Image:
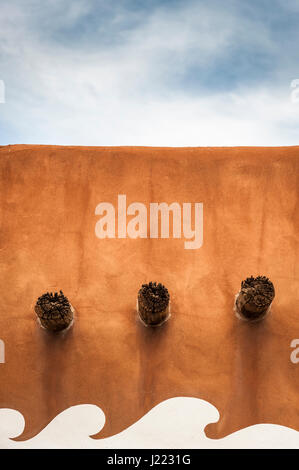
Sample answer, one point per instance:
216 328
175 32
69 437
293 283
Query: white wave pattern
174 423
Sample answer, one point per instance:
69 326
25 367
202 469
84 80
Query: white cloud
132 92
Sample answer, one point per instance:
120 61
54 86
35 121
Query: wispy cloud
149 73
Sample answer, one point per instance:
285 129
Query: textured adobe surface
48 197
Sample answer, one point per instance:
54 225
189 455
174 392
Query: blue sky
161 73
